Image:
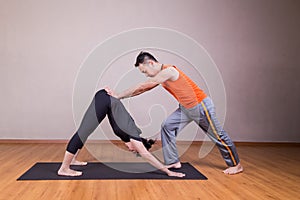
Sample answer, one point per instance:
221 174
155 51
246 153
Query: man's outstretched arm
151 83
136 90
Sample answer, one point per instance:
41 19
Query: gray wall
255 45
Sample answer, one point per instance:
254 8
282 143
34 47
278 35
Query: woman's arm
152 160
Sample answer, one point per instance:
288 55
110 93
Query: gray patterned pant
204 115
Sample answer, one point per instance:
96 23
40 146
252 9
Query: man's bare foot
234 170
76 162
68 172
175 165
176 174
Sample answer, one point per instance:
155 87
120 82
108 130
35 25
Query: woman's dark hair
148 143
142 57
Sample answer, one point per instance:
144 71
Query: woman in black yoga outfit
123 126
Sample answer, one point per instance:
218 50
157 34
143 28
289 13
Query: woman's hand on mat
177 174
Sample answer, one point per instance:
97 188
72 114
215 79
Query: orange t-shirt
187 93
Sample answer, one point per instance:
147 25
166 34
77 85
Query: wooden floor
271 172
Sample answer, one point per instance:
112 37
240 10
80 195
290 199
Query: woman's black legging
120 120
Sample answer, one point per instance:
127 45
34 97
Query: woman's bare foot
68 172
234 170
76 162
175 165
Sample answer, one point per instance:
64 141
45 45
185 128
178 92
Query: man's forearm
139 89
127 93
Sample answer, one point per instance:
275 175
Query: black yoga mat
104 171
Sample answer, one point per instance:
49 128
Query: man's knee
168 125
165 124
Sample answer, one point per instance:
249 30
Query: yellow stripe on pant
216 134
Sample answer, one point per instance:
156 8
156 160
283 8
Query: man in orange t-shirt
194 105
